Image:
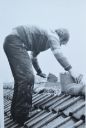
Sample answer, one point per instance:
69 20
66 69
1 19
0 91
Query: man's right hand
77 77
41 75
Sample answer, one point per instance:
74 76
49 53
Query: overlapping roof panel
49 111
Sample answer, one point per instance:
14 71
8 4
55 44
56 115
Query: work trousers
21 67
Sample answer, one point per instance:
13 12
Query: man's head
63 35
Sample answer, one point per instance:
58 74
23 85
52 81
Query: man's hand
77 78
41 75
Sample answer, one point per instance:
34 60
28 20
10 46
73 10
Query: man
16 45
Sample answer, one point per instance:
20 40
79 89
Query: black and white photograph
42 63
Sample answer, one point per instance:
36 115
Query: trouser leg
21 67
14 102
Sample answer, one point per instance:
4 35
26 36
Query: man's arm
63 61
36 64
55 48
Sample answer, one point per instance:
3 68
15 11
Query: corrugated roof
50 111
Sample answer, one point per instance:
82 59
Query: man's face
63 36
63 41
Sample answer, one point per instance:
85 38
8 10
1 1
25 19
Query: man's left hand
77 78
41 75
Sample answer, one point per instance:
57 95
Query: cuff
39 71
68 68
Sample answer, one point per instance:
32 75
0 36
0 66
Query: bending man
16 46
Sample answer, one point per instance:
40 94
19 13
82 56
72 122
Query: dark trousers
21 68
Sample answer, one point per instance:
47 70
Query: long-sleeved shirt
37 40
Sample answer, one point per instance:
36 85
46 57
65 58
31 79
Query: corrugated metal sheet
49 111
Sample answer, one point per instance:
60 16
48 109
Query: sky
47 14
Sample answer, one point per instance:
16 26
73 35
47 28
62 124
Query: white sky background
48 14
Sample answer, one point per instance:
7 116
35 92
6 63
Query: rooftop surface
49 111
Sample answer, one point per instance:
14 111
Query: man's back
35 39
